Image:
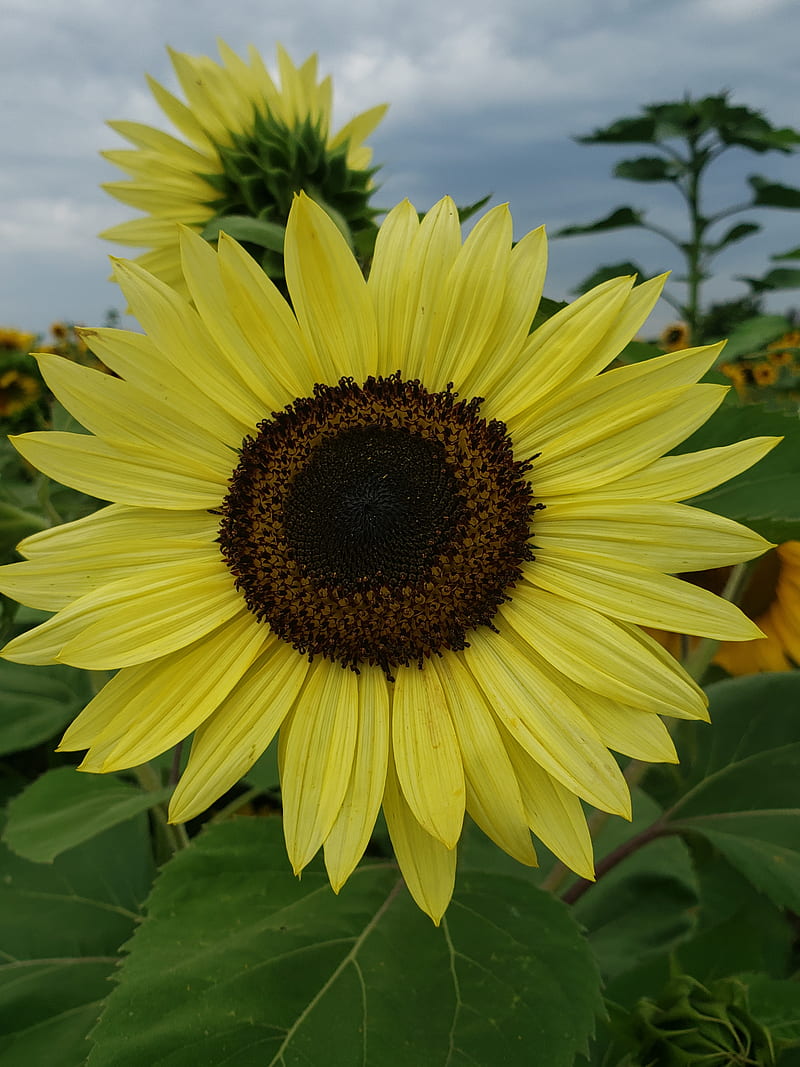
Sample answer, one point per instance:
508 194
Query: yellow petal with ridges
392 247
596 652
666 536
475 286
228 742
637 594
558 348
145 710
329 294
637 438
429 869
129 475
426 754
350 834
527 267
543 719
554 813
318 758
180 115
493 796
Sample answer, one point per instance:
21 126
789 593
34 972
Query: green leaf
734 234
644 905
618 219
246 228
764 497
778 278
467 211
771 194
61 927
37 702
256 967
776 1005
14 525
793 253
647 169
639 129
755 334
64 808
748 812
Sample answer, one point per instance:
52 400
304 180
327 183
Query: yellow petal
543 719
329 294
554 813
147 709
228 743
427 755
493 796
345 844
429 869
318 758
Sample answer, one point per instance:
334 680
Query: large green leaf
61 927
37 702
755 334
63 808
765 497
749 812
777 278
647 169
239 962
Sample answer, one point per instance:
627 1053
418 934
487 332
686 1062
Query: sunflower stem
656 829
170 837
236 804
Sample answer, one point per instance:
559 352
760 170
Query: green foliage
257 966
61 927
64 808
688 136
37 702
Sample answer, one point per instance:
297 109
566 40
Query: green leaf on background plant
37 702
764 497
639 351
65 807
61 927
793 253
647 169
546 309
618 219
645 905
14 525
734 234
754 335
767 193
776 1005
606 273
257 966
777 278
467 211
749 812
246 228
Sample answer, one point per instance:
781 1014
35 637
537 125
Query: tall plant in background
689 136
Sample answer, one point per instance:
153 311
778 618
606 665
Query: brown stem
617 855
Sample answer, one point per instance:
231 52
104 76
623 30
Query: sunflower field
400 667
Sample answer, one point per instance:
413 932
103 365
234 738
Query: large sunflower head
247 145
390 525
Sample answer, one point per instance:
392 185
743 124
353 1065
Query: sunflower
674 337
320 529
772 599
248 147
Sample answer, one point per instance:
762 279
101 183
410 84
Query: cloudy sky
485 97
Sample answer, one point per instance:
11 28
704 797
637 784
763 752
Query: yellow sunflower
247 148
675 337
772 599
319 529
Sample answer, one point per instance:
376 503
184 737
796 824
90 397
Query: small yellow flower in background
12 340
772 600
674 337
320 530
777 350
246 147
18 391
764 374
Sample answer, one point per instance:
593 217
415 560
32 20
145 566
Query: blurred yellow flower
675 337
246 148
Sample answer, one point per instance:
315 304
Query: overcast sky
485 97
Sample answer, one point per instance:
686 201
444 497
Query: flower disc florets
377 523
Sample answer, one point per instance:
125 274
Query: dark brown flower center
377 523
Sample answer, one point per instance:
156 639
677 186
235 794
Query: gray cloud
483 98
